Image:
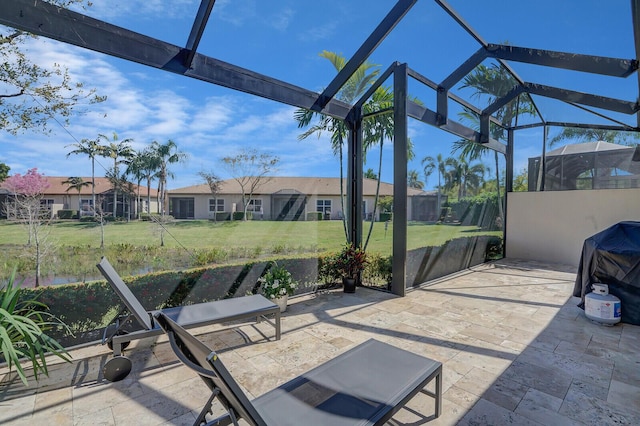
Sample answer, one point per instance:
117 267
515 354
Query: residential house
59 196
291 198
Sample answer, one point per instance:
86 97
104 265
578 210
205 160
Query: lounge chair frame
201 314
366 385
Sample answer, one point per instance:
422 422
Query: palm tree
76 183
121 152
141 167
452 174
355 87
413 180
90 148
490 83
165 154
430 164
471 176
370 174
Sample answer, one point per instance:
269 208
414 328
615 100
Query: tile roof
103 185
304 185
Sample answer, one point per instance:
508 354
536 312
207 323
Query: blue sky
282 39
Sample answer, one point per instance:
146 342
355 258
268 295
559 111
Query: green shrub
223 216
329 269
67 214
385 217
240 215
87 219
153 217
312 216
209 256
494 248
481 210
23 323
378 270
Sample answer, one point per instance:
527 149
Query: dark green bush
378 271
93 305
329 269
494 248
385 217
155 217
481 210
222 216
67 214
314 216
240 215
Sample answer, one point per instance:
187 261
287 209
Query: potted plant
22 332
351 261
277 285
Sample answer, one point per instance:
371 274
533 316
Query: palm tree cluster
149 164
455 173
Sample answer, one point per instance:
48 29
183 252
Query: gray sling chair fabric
366 385
239 308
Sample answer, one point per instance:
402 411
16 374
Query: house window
46 204
255 206
216 205
323 206
86 204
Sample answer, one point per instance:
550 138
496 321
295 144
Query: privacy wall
552 226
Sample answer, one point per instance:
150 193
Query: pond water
29 281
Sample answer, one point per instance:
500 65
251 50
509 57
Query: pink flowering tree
32 184
28 190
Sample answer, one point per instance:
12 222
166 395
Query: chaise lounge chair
198 315
366 385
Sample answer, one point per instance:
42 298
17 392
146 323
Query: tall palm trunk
115 189
500 207
344 216
149 195
375 201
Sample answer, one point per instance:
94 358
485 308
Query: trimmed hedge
385 217
481 210
240 215
222 216
93 305
313 216
67 214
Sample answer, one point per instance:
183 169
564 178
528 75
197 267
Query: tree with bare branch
28 190
251 169
214 183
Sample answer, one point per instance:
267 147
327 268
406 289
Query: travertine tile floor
514 346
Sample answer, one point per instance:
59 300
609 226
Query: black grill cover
613 257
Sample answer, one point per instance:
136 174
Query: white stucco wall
552 226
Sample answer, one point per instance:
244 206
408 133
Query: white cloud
206 121
281 20
146 9
216 113
236 12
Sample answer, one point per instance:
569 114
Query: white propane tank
602 307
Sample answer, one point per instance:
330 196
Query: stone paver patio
515 350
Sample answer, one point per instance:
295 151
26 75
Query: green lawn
199 234
75 246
